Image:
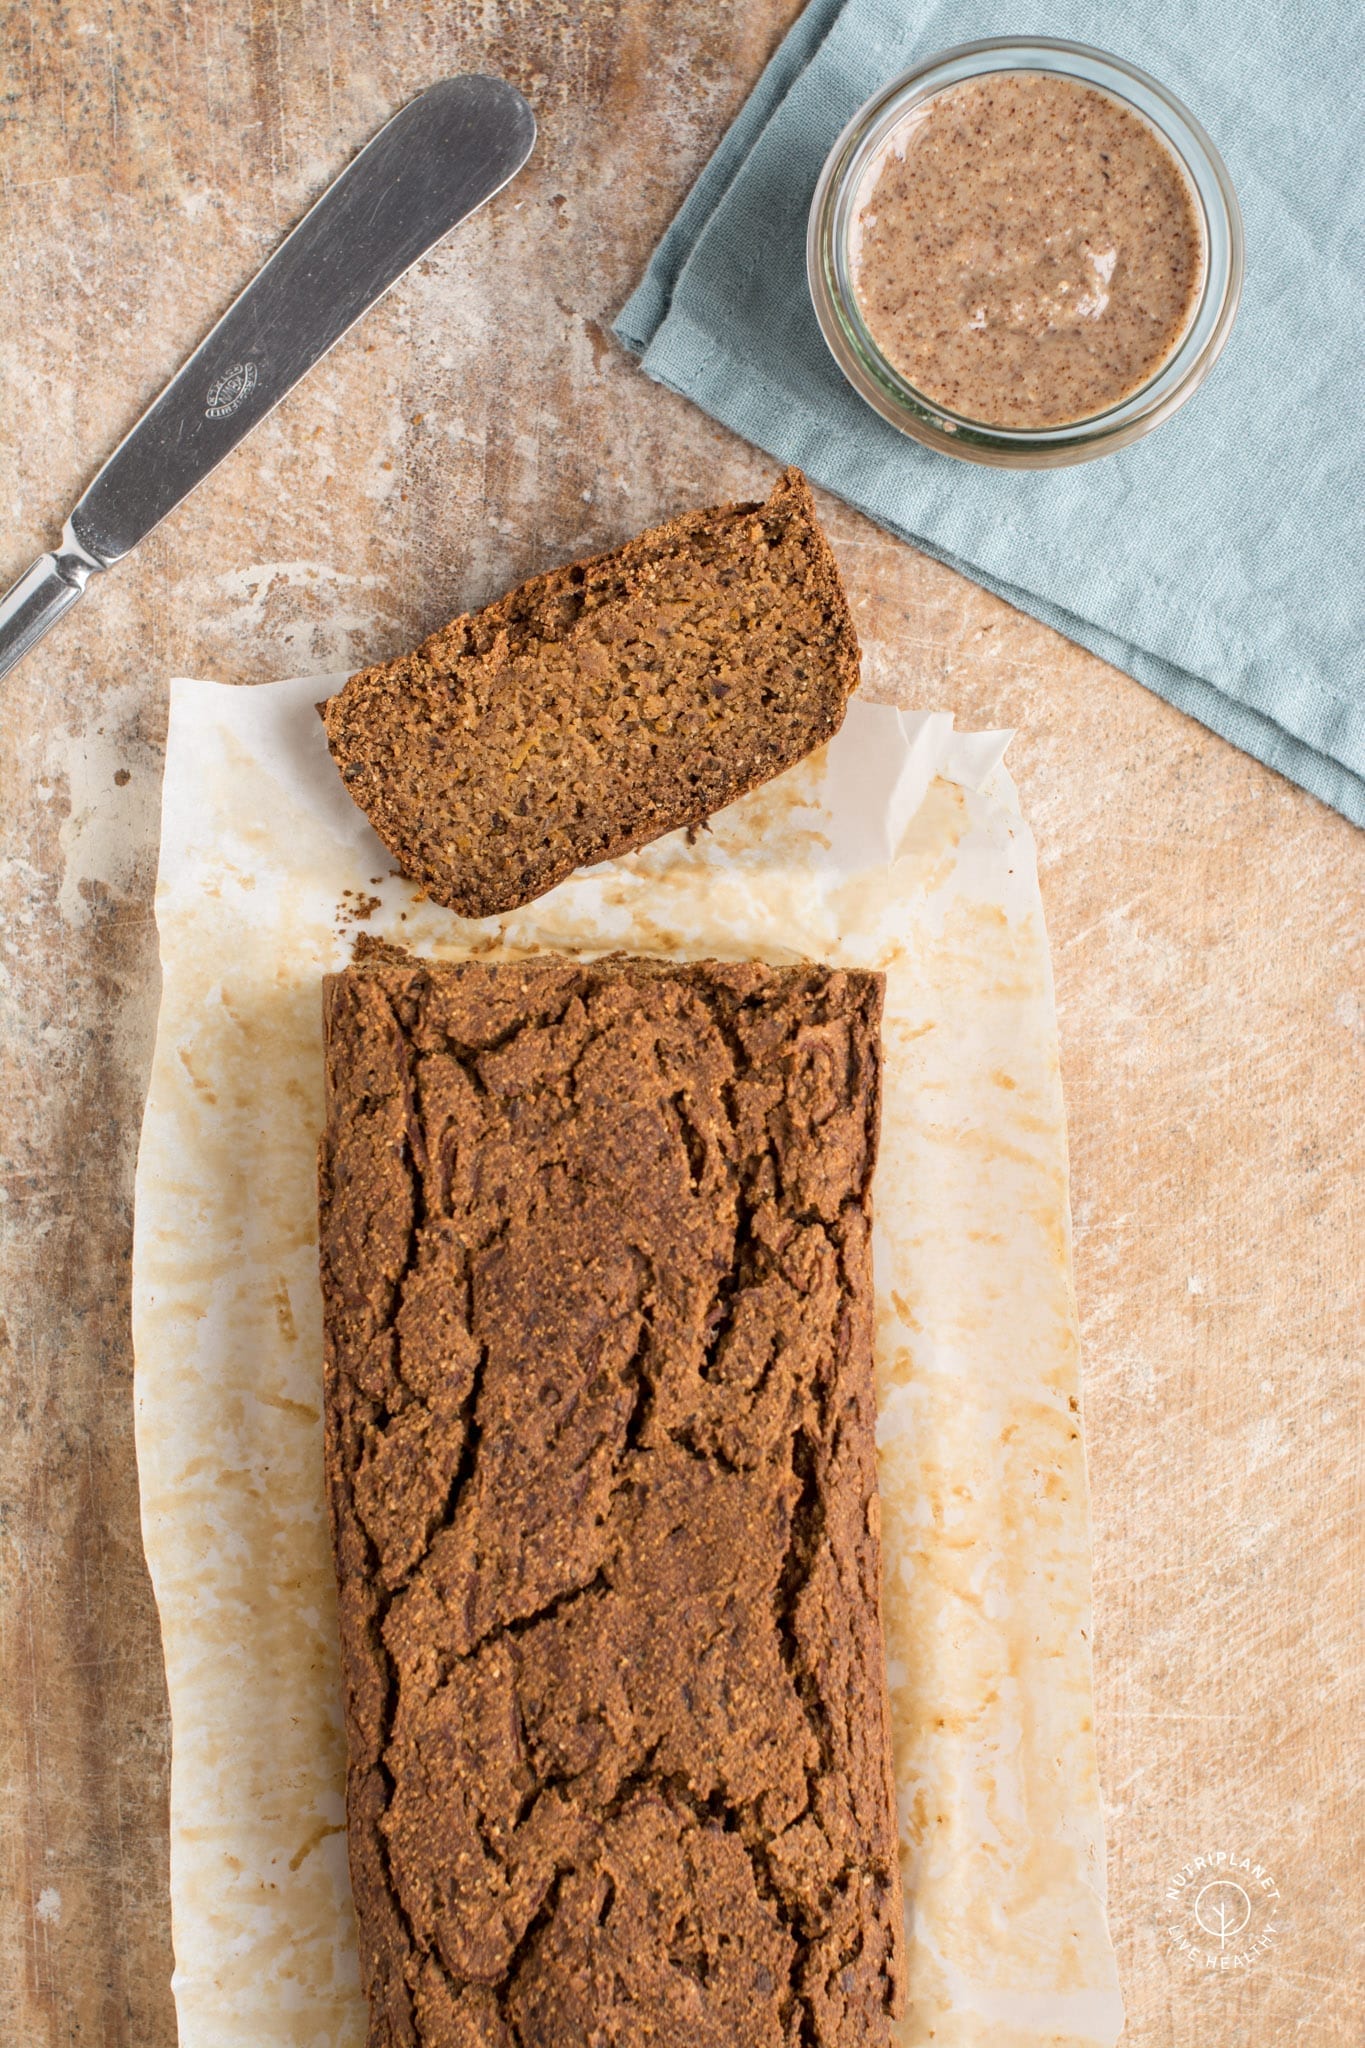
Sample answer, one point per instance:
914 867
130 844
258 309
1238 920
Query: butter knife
429 168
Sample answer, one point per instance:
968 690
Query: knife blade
429 168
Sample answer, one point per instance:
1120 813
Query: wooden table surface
1205 919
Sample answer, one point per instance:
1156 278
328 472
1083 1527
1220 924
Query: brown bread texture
603 704
599 1442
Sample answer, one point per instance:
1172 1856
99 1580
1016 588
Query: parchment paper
267 871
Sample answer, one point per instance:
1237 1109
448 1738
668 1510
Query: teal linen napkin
1220 561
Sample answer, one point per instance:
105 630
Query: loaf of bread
599 1443
603 704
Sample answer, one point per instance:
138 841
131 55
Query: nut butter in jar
1025 253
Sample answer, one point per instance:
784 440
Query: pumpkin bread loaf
599 1444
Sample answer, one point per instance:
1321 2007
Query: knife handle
39 598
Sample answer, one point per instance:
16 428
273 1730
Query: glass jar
829 269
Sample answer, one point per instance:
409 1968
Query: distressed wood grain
1206 923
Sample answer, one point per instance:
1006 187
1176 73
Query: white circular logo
1222 1910
226 393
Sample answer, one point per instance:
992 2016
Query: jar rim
891 394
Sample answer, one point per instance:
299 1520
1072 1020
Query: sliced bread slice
603 704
